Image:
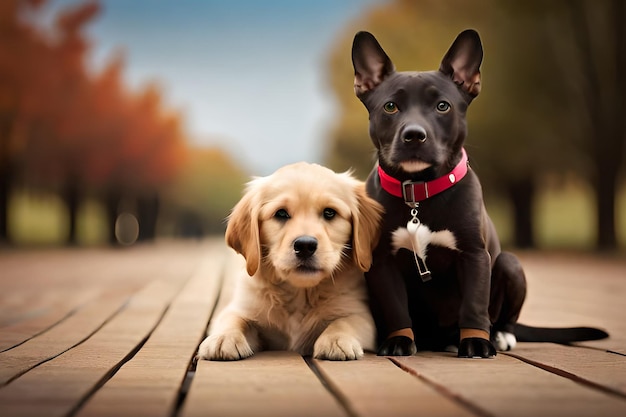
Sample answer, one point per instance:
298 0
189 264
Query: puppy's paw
337 347
504 341
476 347
225 347
397 346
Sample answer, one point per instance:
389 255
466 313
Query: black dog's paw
397 346
475 347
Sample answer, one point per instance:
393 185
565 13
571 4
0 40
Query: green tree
588 54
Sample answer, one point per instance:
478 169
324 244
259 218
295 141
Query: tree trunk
71 195
5 190
610 150
147 215
606 106
7 172
111 202
606 190
522 194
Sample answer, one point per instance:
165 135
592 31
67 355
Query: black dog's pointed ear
371 63
462 62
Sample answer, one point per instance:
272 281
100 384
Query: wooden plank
41 320
566 290
61 338
149 384
505 386
272 384
57 387
19 308
55 288
39 288
374 386
33 282
597 368
47 287
562 291
235 267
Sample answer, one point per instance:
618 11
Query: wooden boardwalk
106 332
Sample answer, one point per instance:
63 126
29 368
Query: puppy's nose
305 246
414 133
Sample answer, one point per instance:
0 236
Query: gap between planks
601 370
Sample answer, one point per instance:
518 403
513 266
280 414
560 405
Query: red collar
415 191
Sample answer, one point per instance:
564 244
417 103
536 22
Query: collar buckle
414 191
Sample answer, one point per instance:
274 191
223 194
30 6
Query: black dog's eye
282 215
329 213
390 107
443 107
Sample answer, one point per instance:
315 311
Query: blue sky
248 75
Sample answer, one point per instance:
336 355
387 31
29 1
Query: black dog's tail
525 333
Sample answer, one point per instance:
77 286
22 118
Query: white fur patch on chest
418 242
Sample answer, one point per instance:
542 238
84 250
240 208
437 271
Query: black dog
439 278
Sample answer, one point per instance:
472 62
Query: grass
564 217
41 219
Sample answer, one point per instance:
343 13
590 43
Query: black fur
397 346
474 347
557 335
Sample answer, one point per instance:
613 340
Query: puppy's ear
365 228
462 62
371 63
242 232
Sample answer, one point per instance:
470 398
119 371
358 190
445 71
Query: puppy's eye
390 107
329 213
443 107
282 214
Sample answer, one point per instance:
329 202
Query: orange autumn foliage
66 124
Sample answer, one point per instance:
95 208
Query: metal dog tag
412 226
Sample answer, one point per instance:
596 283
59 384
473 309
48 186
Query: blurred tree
207 188
526 124
19 49
135 148
588 41
573 53
154 150
60 125
78 134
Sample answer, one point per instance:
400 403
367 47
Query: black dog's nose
413 133
305 246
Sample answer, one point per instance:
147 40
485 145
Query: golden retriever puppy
307 235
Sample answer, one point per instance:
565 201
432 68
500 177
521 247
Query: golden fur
316 305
